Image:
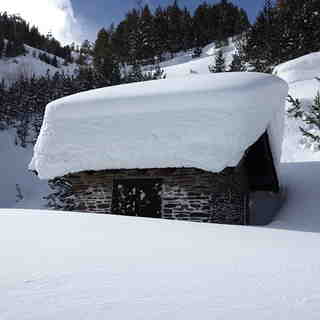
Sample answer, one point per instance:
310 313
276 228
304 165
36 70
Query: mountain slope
29 64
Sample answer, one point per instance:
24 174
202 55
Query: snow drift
205 121
303 68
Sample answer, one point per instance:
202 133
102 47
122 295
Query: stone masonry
187 193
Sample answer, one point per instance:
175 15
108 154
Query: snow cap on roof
204 121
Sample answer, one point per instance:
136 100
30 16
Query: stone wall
187 193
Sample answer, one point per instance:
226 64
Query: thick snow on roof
205 121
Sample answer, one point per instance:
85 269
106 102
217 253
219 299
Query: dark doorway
260 166
137 197
265 195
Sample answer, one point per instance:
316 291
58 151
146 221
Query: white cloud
56 16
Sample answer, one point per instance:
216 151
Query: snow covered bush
310 117
219 63
61 197
296 107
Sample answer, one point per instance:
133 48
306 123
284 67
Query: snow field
84 266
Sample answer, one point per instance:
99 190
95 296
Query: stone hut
205 148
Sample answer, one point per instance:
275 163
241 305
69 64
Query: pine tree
219 65
187 30
160 30
204 25
103 58
175 28
135 74
54 62
147 48
237 65
2 45
9 51
312 118
134 36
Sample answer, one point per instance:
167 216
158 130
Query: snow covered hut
202 148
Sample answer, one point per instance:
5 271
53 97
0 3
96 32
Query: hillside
184 65
29 64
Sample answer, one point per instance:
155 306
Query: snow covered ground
84 266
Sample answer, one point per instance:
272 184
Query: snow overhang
204 121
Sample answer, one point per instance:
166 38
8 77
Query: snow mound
300 74
303 68
204 121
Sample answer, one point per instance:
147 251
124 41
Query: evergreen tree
120 42
2 45
147 47
54 62
283 31
86 48
312 118
219 65
160 30
10 51
237 64
175 28
103 58
134 37
204 25
187 30
135 74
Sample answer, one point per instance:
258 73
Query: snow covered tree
219 64
237 64
147 48
160 29
312 118
54 62
104 59
296 110
133 36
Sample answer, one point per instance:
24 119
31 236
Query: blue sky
96 14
